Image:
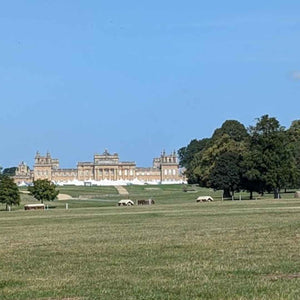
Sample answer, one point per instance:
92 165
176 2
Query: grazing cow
146 202
125 202
204 199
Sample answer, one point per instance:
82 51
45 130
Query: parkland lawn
175 249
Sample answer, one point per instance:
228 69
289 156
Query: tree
187 155
230 138
9 192
294 140
269 163
10 171
252 177
43 190
234 129
226 174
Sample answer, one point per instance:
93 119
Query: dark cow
146 202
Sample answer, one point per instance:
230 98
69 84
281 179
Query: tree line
261 158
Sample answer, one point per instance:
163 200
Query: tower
43 166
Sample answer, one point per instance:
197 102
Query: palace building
104 166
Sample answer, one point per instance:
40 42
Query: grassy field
175 249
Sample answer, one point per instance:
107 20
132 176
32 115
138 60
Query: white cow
204 199
125 202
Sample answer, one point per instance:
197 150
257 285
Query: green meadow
175 249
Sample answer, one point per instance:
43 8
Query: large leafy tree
269 163
9 192
187 155
230 138
252 178
43 190
294 140
226 173
233 128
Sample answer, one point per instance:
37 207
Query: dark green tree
187 155
9 171
230 138
252 178
294 140
233 128
9 192
43 190
269 163
226 174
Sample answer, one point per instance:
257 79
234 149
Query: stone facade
105 166
23 173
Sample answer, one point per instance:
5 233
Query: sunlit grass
187 250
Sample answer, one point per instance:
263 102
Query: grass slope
187 250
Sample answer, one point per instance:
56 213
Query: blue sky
137 77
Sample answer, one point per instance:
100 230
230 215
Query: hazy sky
137 77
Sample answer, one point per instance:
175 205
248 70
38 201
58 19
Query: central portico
106 166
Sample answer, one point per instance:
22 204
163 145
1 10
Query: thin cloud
296 75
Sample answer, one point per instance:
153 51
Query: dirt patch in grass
63 197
